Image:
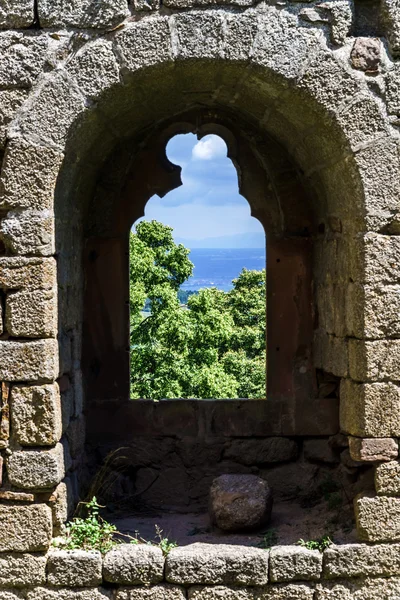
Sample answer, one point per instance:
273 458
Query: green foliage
321 544
213 348
94 533
164 543
91 533
270 539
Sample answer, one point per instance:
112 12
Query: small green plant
163 542
91 533
321 544
270 539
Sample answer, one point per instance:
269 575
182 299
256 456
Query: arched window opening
197 284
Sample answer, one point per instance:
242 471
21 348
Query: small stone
36 414
74 568
373 449
210 564
291 563
366 54
19 570
240 502
36 469
25 528
358 560
42 593
155 592
387 479
28 361
378 518
130 564
17 272
274 592
313 16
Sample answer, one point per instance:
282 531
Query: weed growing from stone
95 533
91 533
321 544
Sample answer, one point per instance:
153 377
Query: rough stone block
331 353
366 54
197 34
393 89
28 232
378 518
359 560
291 563
276 34
377 258
130 564
291 480
374 360
274 592
25 528
20 185
155 592
31 314
387 479
239 502
363 589
74 568
42 593
36 469
39 122
144 43
391 18
363 120
320 450
10 101
36 414
378 166
11 595
18 272
371 311
373 449
95 68
85 14
16 14
214 564
270 450
370 409
23 56
29 361
63 504
20 570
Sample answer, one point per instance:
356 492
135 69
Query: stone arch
281 79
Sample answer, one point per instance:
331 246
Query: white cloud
208 148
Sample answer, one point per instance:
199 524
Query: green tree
213 348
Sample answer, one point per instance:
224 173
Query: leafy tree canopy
212 348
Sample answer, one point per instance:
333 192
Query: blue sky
207 205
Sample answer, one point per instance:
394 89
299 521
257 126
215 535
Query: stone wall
311 91
204 572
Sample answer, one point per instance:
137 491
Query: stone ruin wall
321 78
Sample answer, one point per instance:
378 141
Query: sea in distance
217 267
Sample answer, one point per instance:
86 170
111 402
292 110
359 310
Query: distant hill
240 240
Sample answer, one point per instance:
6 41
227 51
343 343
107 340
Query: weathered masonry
307 98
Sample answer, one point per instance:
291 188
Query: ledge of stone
75 568
295 563
130 564
209 564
